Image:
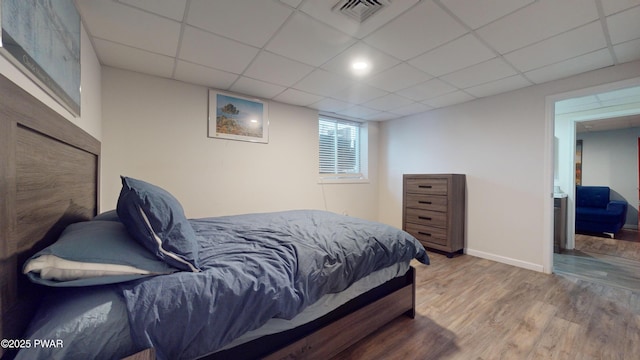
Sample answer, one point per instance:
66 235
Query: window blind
339 147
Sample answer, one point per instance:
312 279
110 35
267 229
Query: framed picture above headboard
42 39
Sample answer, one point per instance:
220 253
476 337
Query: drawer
426 186
426 202
427 234
426 217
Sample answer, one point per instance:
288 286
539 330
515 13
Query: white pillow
51 267
93 253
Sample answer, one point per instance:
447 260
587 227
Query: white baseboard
505 260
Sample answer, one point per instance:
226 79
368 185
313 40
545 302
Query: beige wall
610 158
155 129
500 143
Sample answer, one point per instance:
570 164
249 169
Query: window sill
342 180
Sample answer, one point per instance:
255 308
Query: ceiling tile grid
202 75
423 54
205 48
583 40
248 21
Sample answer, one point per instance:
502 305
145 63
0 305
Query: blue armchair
595 212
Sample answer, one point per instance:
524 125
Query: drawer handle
424 233
424 202
425 186
424 218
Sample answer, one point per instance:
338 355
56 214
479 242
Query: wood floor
601 259
472 308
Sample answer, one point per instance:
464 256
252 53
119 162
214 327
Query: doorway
611 109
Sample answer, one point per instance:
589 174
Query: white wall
155 129
91 112
610 158
500 143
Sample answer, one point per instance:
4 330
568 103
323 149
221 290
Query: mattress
325 305
92 322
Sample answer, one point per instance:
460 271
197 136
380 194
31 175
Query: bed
49 187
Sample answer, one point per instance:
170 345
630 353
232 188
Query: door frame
549 168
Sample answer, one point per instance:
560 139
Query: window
340 143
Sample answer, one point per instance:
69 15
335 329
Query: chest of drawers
434 210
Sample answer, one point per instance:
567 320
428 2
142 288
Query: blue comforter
256 267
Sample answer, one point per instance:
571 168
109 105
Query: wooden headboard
48 180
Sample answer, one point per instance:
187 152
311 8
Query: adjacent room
313 179
599 160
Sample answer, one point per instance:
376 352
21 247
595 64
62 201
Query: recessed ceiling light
359 65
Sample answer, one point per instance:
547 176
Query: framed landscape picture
42 39
236 117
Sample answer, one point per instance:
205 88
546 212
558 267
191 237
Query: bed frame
49 178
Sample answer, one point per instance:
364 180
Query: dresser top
431 175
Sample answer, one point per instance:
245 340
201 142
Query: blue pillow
111 215
156 219
93 253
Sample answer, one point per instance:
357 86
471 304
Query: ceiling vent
360 10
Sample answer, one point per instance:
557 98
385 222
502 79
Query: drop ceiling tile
297 97
125 57
173 9
426 90
292 3
305 39
330 105
129 26
257 88
322 82
624 26
323 10
202 75
491 10
207 49
485 72
614 6
449 99
412 109
627 51
526 26
380 116
500 86
388 102
458 54
276 69
600 125
623 96
359 93
587 62
419 30
248 21
398 77
358 112
577 104
377 60
567 45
